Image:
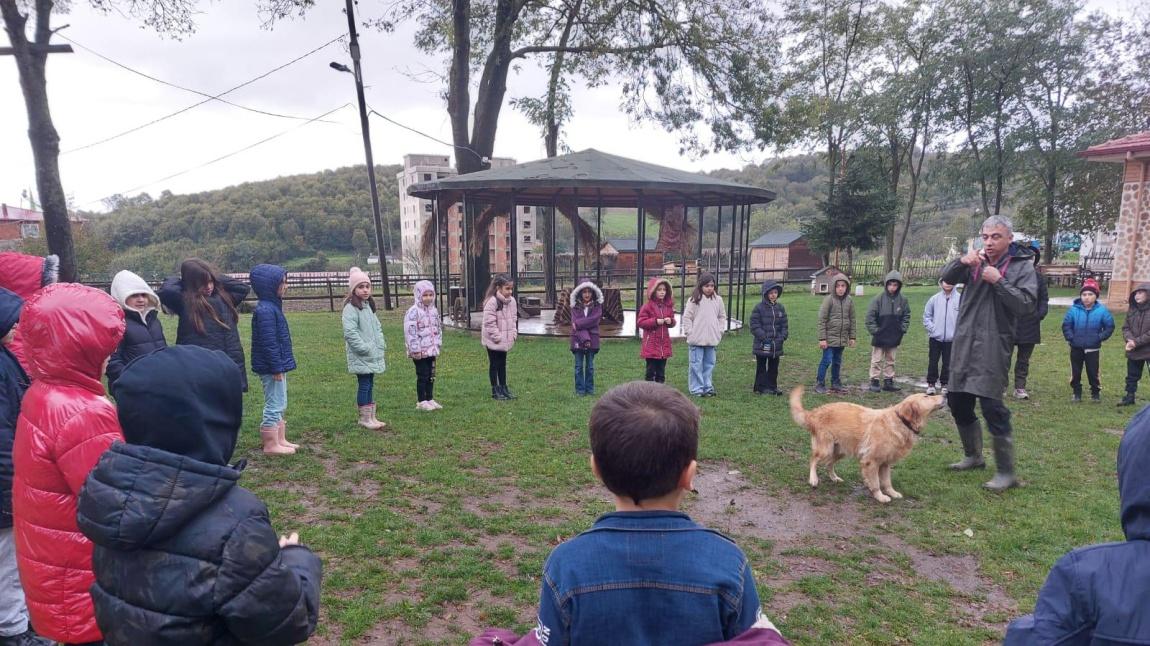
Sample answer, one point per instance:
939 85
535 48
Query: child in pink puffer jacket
423 336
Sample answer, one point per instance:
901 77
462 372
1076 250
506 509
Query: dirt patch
451 622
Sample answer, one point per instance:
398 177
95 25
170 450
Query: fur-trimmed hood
586 284
25 274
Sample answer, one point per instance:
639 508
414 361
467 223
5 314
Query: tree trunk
31 59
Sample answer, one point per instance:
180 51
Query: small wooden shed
623 254
783 255
823 280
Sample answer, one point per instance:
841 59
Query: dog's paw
881 497
814 481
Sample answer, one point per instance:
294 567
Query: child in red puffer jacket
656 318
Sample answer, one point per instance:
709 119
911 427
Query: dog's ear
914 409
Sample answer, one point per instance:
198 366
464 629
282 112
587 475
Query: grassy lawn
440 525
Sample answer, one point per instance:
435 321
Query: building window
29 230
527 239
427 177
427 207
527 224
527 209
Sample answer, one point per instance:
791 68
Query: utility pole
358 73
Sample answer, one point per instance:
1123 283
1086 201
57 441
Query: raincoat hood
421 288
266 281
896 276
139 495
10 306
68 331
768 285
841 279
126 283
1134 477
184 399
24 274
1143 287
576 294
653 283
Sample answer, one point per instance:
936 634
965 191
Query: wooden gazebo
588 179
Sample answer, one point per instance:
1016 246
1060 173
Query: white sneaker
930 390
434 404
942 391
1020 393
424 406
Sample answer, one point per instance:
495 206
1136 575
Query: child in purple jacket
586 312
423 336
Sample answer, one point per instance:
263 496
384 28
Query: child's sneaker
930 390
424 406
1020 393
434 404
821 389
838 387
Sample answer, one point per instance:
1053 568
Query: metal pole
731 269
746 266
575 239
467 272
641 227
719 242
354 48
683 260
599 241
435 255
514 264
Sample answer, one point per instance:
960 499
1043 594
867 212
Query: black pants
939 350
996 413
425 378
1078 358
1022 365
766 373
656 370
1134 370
497 367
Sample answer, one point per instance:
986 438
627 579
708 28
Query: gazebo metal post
699 258
641 226
467 271
575 240
514 264
732 267
550 278
435 256
599 241
719 244
746 262
683 256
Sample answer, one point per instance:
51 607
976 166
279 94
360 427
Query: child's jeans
584 371
13 613
700 368
832 357
1078 357
1134 370
425 378
275 400
363 393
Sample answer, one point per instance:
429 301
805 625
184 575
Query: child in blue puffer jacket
1086 326
272 356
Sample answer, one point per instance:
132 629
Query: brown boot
282 436
374 419
269 435
367 417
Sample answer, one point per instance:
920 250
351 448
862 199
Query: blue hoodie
1100 595
1087 328
271 339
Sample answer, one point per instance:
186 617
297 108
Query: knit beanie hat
355 277
1090 285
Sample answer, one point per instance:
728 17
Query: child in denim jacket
604 585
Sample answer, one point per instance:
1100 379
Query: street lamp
358 74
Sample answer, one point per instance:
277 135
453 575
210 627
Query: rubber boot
367 417
282 436
888 385
874 387
507 394
971 435
269 435
497 393
1004 464
375 420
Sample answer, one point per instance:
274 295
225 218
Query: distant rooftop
776 239
1138 145
631 245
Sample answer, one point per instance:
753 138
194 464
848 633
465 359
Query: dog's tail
798 413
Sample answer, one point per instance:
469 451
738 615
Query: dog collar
907 424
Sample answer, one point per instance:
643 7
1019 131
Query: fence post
330 295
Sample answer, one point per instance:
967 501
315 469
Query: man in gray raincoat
1001 285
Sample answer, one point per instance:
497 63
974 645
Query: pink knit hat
355 277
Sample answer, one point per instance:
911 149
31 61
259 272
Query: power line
372 110
222 157
196 105
178 87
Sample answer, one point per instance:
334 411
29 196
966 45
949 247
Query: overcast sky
93 99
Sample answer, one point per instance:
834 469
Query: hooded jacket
225 338
984 340
888 315
143 332
940 316
183 554
13 383
585 319
500 317
1028 329
1137 325
656 337
65 424
836 323
271 338
363 340
422 327
1087 328
769 323
23 275
1097 595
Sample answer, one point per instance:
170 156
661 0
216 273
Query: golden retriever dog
878 438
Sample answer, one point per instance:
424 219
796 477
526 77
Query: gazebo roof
1137 145
591 178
